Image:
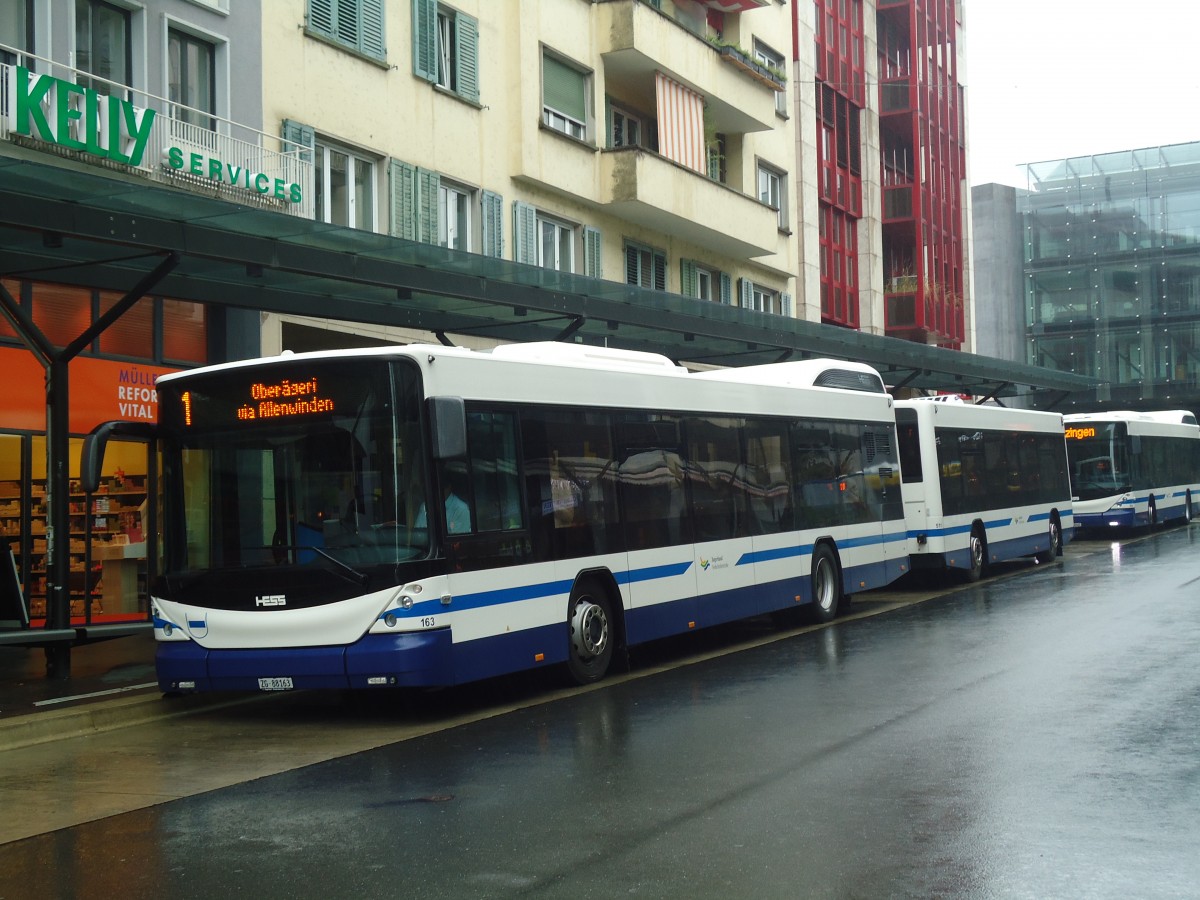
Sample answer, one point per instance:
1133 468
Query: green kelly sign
78 118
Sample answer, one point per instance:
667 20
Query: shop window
185 331
133 333
61 312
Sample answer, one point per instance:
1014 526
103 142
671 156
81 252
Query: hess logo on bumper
270 600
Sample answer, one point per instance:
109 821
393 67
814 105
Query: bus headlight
406 602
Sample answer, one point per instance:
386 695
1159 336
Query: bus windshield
1099 460
305 463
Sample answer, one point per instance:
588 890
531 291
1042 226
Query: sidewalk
112 683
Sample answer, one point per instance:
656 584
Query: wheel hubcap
589 629
824 579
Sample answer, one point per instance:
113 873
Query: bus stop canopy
113 230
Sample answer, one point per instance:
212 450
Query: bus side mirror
448 421
92 461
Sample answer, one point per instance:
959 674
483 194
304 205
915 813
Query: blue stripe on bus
534 591
759 556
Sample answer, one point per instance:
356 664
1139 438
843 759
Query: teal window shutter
320 17
563 88
687 277
591 252
425 39
371 40
785 300
467 30
525 246
357 24
297 136
745 293
493 225
660 271
726 288
427 205
402 199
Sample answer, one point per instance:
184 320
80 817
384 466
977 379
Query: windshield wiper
346 570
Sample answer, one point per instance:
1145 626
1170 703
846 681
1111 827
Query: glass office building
1112 273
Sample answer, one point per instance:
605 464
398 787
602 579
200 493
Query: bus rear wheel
826 585
976 551
591 633
1055 551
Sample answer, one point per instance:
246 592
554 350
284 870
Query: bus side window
492 449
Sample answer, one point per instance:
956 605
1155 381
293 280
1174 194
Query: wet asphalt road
1036 736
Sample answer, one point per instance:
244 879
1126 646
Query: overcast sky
1050 79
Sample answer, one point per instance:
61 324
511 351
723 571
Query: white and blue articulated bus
1133 469
427 515
982 483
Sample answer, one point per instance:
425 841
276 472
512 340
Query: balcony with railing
637 41
642 187
72 114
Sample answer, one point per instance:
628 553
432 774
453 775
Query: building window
345 187
645 267
702 282
446 48
564 97
772 190
764 299
355 24
192 79
626 129
16 29
765 56
556 245
103 45
454 216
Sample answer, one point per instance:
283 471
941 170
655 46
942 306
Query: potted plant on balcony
739 58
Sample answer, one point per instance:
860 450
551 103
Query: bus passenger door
882 462
661 574
916 503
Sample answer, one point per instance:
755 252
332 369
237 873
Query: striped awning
680 124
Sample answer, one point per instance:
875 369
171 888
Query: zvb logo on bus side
271 600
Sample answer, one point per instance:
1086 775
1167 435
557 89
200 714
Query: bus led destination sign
1080 434
284 399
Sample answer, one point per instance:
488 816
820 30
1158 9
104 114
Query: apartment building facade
646 143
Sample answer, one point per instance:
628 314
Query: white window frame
765 300
558 120
322 173
765 56
563 234
772 190
447 51
453 199
626 129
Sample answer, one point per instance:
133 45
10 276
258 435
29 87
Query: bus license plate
275 684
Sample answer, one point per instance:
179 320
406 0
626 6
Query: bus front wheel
825 584
1151 513
591 633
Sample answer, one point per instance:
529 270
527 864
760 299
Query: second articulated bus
1133 468
982 483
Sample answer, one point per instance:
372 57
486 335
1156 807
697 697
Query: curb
31 729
